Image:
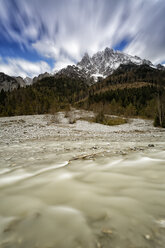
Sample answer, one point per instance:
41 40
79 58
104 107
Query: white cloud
64 62
23 68
64 30
97 24
148 37
47 48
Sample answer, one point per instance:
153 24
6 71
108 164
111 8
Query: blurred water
116 201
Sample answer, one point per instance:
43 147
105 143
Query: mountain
8 83
28 80
160 67
20 81
101 65
90 69
41 76
72 71
106 62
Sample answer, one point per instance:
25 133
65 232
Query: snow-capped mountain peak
105 62
101 64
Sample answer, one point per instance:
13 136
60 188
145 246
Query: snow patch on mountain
105 62
100 65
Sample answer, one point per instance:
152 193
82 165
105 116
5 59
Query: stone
150 145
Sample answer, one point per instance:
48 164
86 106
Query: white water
111 201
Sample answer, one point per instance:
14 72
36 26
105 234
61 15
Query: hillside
46 96
132 90
129 74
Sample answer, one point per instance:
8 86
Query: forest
130 91
46 96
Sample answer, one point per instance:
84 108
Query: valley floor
53 133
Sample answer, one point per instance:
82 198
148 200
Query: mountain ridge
102 64
91 69
8 83
105 62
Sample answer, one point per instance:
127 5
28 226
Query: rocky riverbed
82 184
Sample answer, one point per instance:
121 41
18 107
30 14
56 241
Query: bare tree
161 107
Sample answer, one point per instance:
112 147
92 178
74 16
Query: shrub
115 121
110 121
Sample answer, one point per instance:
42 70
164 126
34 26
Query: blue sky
46 35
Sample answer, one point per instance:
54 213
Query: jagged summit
85 60
105 62
101 65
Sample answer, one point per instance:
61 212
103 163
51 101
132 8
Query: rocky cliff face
20 81
41 76
8 83
101 65
106 62
28 80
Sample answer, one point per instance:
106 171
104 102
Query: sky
47 35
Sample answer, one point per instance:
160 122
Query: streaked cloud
23 68
64 30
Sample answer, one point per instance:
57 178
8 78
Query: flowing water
113 201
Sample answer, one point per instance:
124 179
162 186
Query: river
76 197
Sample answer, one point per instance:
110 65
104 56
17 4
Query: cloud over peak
64 30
